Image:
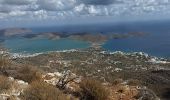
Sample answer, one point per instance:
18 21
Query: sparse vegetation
111 68
5 84
12 98
4 63
39 90
93 90
29 74
133 82
64 80
117 81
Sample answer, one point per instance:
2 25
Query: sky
39 12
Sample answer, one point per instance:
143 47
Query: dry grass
5 84
12 98
133 82
4 62
93 90
117 81
29 74
123 92
39 90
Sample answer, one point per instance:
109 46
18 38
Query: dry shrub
5 84
12 98
29 74
93 90
39 90
4 62
65 80
133 82
117 81
122 89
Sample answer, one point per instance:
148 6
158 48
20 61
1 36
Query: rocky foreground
119 90
123 76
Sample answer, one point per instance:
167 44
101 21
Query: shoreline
100 45
94 46
152 59
26 55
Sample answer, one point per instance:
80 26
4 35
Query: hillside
119 75
13 31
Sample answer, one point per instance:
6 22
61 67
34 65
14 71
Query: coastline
93 46
153 59
26 55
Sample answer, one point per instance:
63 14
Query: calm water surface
156 42
24 45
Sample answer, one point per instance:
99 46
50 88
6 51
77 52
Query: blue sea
39 45
155 43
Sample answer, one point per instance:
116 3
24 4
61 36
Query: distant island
96 40
90 37
8 32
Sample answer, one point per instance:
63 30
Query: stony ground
151 72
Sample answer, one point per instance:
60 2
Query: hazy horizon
27 13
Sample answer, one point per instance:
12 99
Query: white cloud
41 9
55 5
17 13
97 2
17 2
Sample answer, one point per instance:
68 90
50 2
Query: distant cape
8 32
